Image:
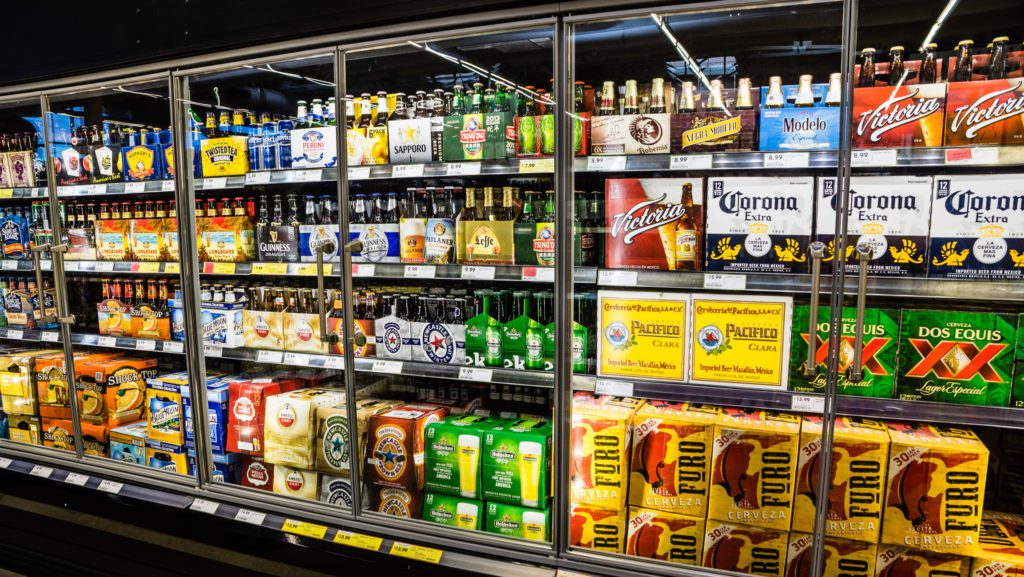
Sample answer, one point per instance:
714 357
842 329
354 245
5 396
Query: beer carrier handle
817 250
856 373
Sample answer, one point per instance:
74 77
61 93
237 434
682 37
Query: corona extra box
878 355
666 536
898 117
860 455
516 521
978 227
936 483
888 213
672 450
644 226
842 558
453 511
598 529
113 391
224 156
396 502
394 451
296 482
599 467
289 432
896 561
452 455
759 224
745 549
985 112
956 357
1001 548
642 334
754 468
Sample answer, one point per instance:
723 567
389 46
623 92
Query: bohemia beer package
602 427
666 536
956 357
745 549
935 488
642 334
654 223
753 470
672 457
842 558
598 529
978 227
1001 547
889 213
860 454
896 561
891 117
395 444
630 134
759 224
985 112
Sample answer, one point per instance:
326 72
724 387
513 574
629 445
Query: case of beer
396 502
113 391
1001 548
897 561
395 445
842 557
289 433
643 334
745 549
798 117
224 156
296 482
665 536
722 119
598 529
246 420
655 223
901 116
759 224
602 429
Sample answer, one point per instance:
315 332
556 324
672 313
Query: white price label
204 506
13 334
106 342
979 155
475 374
478 272
46 265
49 337
208 183
167 185
95 189
359 173
390 367
539 273
307 175
874 157
808 403
108 486
269 356
257 178
251 517
617 277
334 362
296 359
5 462
145 345
41 472
9 265
212 351
787 159
463 168
134 187
408 170
76 479
174 347
691 162
71 265
104 266
420 271
361 269
606 163
736 282
613 388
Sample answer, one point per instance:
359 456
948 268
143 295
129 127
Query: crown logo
991 231
873 228
758 228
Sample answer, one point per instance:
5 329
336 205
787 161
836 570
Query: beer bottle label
413 235
526 135
440 241
472 137
686 245
544 243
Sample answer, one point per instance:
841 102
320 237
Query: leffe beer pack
956 357
651 225
985 112
878 360
888 213
759 224
896 117
935 488
602 428
843 558
745 549
642 334
598 529
860 455
666 536
1001 548
978 227
898 561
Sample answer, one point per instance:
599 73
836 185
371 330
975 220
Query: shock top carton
935 488
759 224
598 529
671 458
516 462
52 384
860 455
113 391
956 357
602 427
842 557
897 561
753 471
666 536
745 549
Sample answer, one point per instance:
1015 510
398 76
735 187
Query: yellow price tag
416 552
537 165
172 267
305 529
149 267
368 542
223 268
6 193
310 269
270 268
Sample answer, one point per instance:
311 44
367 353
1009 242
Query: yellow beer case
897 561
642 334
598 529
1001 548
745 549
665 536
601 430
843 558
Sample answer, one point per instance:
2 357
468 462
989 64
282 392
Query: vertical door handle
320 293
863 258
817 250
37 251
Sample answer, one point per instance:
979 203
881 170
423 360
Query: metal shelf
140 187
23 192
457 372
507 166
133 267
519 273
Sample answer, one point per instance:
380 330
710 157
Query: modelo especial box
796 129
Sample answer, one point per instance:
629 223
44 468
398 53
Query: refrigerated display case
393 349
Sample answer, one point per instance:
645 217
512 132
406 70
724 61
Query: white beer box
394 338
314 147
336 491
978 227
439 343
409 141
889 213
759 224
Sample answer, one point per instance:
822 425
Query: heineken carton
745 549
598 529
452 455
666 536
516 521
842 558
484 336
453 511
878 356
956 357
516 462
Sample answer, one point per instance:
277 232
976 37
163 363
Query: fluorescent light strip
684 54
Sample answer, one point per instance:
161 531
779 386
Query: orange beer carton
745 549
665 536
1001 546
598 529
935 488
897 561
602 427
672 450
753 472
395 445
52 381
113 391
860 456
843 558
60 434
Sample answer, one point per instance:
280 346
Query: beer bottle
964 70
835 90
775 98
744 100
508 211
579 98
263 222
534 336
438 105
225 207
115 212
420 108
238 121
658 96
151 293
147 210
301 115
631 103
160 211
223 124
715 101
687 102
687 250
476 100
866 78
238 207
997 60
804 94
492 333
316 113
421 315
350 111
402 307
458 99
526 135
607 106
163 296
399 113
376 209
381 120
358 215
172 209
488 213
310 210
128 297
104 212
469 207
897 65
929 68
210 127
365 112
332 112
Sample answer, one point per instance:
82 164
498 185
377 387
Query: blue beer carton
217 405
226 467
799 129
128 443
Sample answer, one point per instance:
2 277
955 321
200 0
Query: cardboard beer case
113 240
226 239
256 474
314 147
985 112
520 522
439 343
598 529
515 462
478 136
248 399
336 491
17 380
899 561
294 482
452 455
143 162
166 457
128 443
602 429
217 396
745 549
332 433
643 219
485 242
395 445
289 425
793 129
631 134
460 512
396 502
1001 548
665 536
224 156
113 391
25 429
842 558
1017 399
643 335
409 142
52 385
898 117
713 129
227 467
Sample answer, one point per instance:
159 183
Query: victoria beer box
898 117
888 213
602 428
986 112
711 129
860 455
797 129
745 549
1001 546
842 558
898 561
978 227
646 228
630 134
395 445
935 487
956 357
759 224
598 529
665 536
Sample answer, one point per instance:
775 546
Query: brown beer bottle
687 246
929 67
964 70
897 67
997 62
866 78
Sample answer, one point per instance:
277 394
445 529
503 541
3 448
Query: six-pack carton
898 561
1001 548
17 381
516 521
598 529
515 462
248 399
289 425
294 482
452 453
745 549
396 502
666 536
453 511
602 429
113 391
842 557
395 444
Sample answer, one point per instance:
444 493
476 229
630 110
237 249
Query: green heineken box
956 357
479 136
522 344
1018 366
549 346
881 336
516 463
453 511
515 521
483 341
452 454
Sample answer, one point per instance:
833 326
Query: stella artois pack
935 488
672 456
896 117
842 558
740 340
978 227
642 334
650 226
745 549
860 455
1001 546
665 536
753 470
759 224
898 561
598 529
956 357
985 112
602 427
878 355
888 213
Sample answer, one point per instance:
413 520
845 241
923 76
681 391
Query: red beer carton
256 474
891 117
646 224
394 454
247 400
989 112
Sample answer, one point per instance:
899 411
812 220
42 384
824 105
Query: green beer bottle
527 132
492 334
534 337
547 134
